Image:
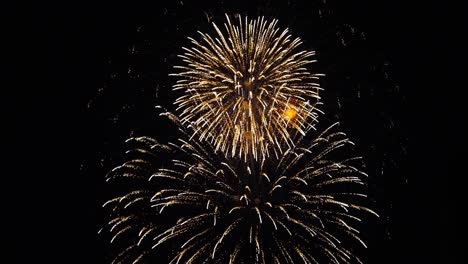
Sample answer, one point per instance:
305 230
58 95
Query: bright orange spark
290 113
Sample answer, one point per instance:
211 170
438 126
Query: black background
74 101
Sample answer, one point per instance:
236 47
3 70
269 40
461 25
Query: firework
304 206
247 89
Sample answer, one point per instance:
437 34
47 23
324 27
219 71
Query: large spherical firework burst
247 89
201 207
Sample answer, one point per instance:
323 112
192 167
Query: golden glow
248 135
242 78
290 113
247 84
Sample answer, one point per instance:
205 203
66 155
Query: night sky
88 76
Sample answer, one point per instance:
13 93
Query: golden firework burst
303 207
247 90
